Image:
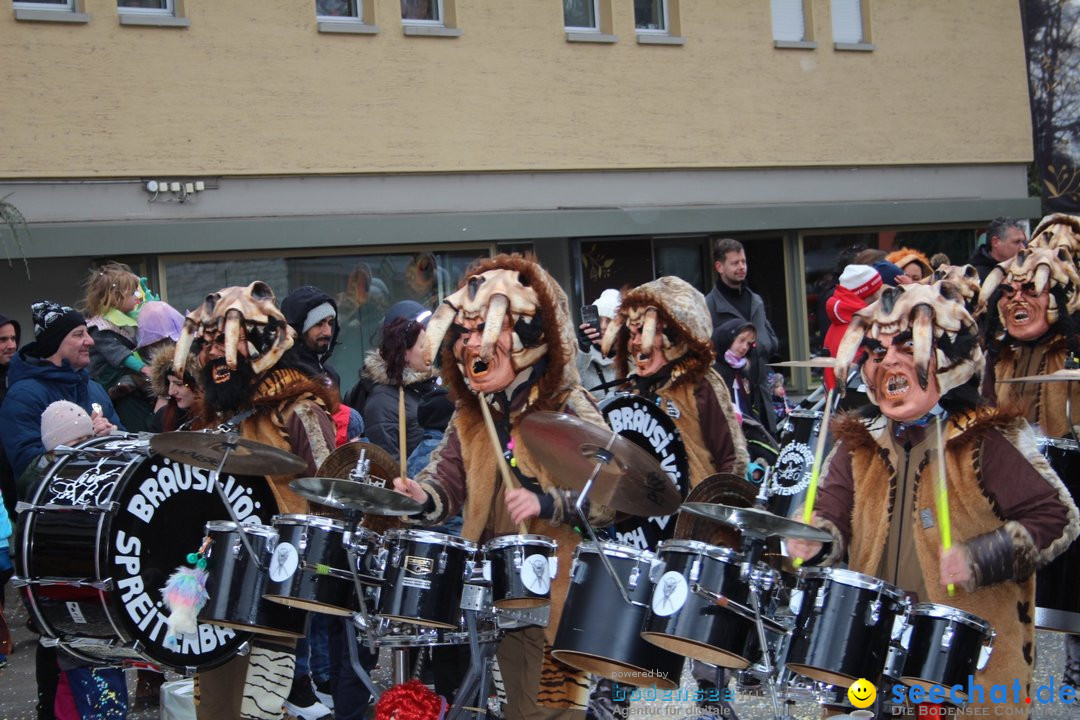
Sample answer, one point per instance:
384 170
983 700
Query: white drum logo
670 594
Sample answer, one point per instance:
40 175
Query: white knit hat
64 423
608 303
862 280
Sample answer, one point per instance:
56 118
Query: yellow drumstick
943 497
815 471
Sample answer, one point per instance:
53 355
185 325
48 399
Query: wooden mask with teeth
1043 269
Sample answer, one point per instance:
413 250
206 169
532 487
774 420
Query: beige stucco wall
252 88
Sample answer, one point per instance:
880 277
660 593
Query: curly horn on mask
990 284
232 336
438 324
648 330
922 335
493 324
612 332
845 353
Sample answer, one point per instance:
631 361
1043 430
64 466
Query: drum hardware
758 523
355 495
743 610
224 450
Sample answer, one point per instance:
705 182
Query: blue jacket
33 385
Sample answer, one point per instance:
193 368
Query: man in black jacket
313 314
9 343
1004 238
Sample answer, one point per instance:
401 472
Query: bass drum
103 531
1057 603
652 429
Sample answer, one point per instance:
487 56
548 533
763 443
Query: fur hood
560 373
161 368
375 370
687 324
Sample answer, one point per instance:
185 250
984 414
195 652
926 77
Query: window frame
866 44
70 11
603 32
445 26
672 32
583 28
808 42
665 30
172 15
363 23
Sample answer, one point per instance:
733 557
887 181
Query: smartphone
590 315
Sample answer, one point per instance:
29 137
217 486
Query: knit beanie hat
52 323
888 272
64 423
317 314
862 280
608 303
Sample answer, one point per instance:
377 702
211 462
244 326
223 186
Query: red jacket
839 308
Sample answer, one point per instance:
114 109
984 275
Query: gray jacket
722 310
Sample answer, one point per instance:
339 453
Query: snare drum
521 570
236 582
599 632
688 624
843 627
944 646
309 568
99 538
1057 603
423 578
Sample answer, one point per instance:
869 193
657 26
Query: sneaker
302 702
322 691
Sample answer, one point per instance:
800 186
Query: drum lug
947 636
442 562
873 612
695 570
395 559
303 542
633 581
518 559
237 544
656 570
986 650
18 582
244 650
23 506
577 571
819 599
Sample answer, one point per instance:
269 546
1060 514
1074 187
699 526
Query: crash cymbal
205 449
761 523
1058 376
354 495
342 462
817 362
630 480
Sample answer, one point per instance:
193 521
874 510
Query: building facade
376 147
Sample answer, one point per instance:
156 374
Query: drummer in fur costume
506 336
1009 512
663 332
240 335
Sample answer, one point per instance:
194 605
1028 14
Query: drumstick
815 471
943 497
402 455
504 469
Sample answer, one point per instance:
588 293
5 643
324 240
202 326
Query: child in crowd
733 341
113 296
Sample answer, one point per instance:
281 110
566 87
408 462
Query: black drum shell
835 644
508 589
928 663
700 629
318 542
236 583
599 633
414 589
96 512
1057 602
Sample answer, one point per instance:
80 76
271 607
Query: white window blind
788 23
847 25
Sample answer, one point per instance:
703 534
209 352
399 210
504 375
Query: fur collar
375 370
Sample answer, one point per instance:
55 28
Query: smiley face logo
862 693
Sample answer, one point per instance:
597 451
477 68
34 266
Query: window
50 10
650 16
790 28
163 13
346 16
429 17
422 11
850 26
582 15
338 9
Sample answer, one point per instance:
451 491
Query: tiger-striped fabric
561 686
269 677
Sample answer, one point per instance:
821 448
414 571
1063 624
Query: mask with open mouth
490 374
228 389
1030 286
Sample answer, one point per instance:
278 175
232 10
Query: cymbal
753 521
1057 376
246 457
630 480
816 362
355 495
342 462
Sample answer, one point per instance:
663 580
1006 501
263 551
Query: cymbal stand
231 436
472 693
603 457
770 671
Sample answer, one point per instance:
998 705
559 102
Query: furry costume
850 501
462 474
686 324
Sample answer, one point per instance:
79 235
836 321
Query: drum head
651 429
160 510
